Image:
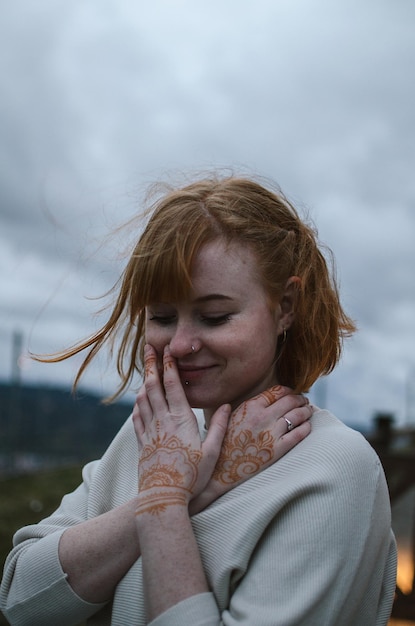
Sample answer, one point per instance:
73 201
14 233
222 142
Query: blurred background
100 99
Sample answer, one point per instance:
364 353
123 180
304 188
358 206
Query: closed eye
163 320
215 320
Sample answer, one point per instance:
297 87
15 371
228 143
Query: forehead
225 268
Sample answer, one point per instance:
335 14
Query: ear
288 303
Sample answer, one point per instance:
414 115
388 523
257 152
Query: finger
297 416
154 392
271 395
291 438
217 431
143 407
139 428
150 361
294 419
284 404
175 395
135 409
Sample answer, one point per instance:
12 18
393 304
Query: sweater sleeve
198 610
34 588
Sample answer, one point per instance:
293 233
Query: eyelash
210 321
216 321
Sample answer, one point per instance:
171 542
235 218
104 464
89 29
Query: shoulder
338 445
334 462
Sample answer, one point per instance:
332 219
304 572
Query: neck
266 384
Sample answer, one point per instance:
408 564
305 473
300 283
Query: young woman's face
228 321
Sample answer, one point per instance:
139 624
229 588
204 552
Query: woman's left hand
174 465
260 432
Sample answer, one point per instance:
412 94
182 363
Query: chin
198 402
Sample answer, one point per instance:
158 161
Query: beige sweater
306 541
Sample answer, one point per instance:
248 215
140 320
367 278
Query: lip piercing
290 425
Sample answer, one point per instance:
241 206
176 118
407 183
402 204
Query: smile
192 373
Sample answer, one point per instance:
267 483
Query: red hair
234 209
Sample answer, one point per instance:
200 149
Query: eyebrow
213 296
202 299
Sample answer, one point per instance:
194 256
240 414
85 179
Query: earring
284 335
193 348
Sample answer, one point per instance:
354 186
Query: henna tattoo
272 394
242 453
172 454
155 503
169 468
150 361
167 364
268 396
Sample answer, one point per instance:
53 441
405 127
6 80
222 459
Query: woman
229 304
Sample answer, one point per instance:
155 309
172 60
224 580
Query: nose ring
193 348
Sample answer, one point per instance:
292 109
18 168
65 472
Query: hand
257 436
174 465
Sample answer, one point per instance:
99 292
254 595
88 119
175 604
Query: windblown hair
234 210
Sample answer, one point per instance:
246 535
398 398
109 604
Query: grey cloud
98 98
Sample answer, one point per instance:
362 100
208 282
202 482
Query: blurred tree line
44 426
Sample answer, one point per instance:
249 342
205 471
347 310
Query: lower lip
193 376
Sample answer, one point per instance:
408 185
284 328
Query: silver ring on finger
290 425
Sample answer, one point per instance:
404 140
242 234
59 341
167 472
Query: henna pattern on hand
243 453
272 394
149 362
168 470
155 503
171 451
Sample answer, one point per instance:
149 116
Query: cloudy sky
99 98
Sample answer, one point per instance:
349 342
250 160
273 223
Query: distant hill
41 426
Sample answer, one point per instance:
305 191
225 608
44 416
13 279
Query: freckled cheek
157 338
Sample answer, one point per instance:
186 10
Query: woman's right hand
257 436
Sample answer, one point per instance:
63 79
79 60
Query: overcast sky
99 98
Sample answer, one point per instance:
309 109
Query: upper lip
192 368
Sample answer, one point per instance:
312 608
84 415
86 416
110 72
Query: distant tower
16 354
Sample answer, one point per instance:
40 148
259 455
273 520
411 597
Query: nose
183 341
